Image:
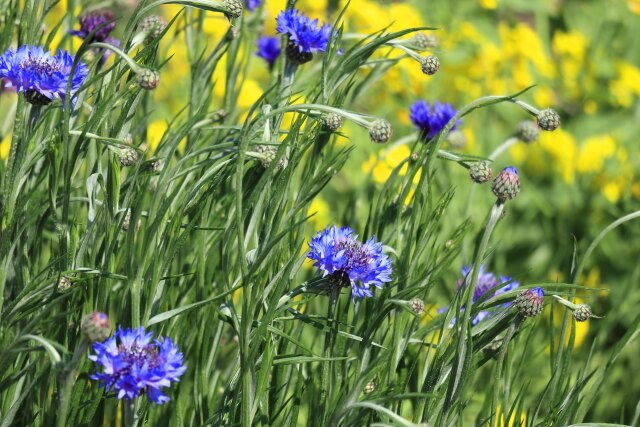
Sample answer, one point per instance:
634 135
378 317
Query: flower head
40 75
253 4
133 364
304 33
102 19
269 49
338 254
530 302
506 185
431 119
485 286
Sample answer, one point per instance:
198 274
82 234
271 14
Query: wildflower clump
133 364
339 255
41 76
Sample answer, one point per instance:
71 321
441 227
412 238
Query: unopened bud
480 172
530 302
430 65
506 185
528 131
95 326
416 305
548 120
380 131
148 79
582 313
333 121
128 156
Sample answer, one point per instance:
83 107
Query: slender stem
499 367
68 380
503 147
130 414
328 345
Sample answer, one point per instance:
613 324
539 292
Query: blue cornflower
487 281
41 76
305 37
269 49
88 23
431 119
253 4
349 262
133 364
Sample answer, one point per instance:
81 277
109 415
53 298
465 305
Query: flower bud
506 185
234 8
148 79
370 387
424 41
530 302
430 65
95 326
157 166
128 156
416 305
527 131
380 131
548 120
152 26
333 121
269 155
582 313
294 54
64 283
480 172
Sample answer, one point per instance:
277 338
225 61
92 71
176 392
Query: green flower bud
416 305
582 313
64 283
234 8
548 120
333 121
152 26
380 131
457 139
370 387
128 156
480 172
148 79
527 131
269 155
430 65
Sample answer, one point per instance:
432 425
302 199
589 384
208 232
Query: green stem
513 328
130 414
68 380
329 339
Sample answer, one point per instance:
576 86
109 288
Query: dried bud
530 302
128 156
234 8
527 131
95 326
333 121
506 185
148 79
582 313
380 131
480 172
548 120
416 305
64 283
430 65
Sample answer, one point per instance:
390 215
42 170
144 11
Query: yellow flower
634 6
488 4
514 421
155 132
593 153
5 146
383 168
627 85
571 44
561 146
321 212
